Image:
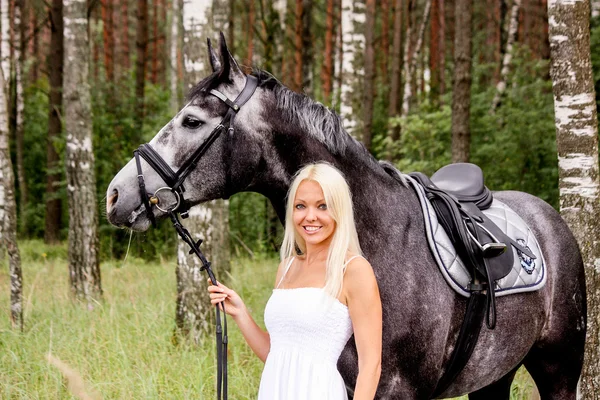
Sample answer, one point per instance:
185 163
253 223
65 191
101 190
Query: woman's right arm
257 339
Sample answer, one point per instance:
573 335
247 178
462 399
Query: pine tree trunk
251 22
327 70
369 79
299 12
385 40
397 63
461 96
108 39
508 53
231 27
307 48
577 145
125 35
18 63
434 52
442 50
81 181
154 58
140 75
53 177
208 221
411 62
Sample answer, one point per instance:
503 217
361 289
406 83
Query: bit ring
155 195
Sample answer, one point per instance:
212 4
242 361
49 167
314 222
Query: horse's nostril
112 200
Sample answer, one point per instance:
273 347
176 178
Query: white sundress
308 331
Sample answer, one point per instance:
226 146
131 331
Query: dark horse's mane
317 120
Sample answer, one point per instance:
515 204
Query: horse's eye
191 122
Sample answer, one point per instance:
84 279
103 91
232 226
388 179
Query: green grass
123 348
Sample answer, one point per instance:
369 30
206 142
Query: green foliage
515 147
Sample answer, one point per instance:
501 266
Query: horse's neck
379 199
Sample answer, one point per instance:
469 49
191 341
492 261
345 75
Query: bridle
174 184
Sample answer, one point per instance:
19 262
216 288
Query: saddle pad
526 274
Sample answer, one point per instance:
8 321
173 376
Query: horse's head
171 157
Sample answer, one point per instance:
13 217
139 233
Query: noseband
174 184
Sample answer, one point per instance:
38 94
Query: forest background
386 66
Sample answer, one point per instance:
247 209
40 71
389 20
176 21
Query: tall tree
53 177
396 80
385 39
298 43
155 42
108 39
19 107
5 66
173 50
461 94
327 70
410 66
125 34
352 45
369 79
9 219
508 53
307 47
209 221
141 43
250 37
577 145
84 267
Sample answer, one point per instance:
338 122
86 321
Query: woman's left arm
364 305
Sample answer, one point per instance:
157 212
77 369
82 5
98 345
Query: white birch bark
81 181
18 66
9 209
577 145
5 67
208 221
352 72
508 55
410 65
174 44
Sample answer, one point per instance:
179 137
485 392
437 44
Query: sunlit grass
123 348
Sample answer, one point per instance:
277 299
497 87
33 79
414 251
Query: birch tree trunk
84 268
55 71
18 70
461 96
351 72
369 80
577 144
173 46
209 221
5 66
410 65
9 219
508 54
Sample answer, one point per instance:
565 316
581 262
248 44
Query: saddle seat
464 181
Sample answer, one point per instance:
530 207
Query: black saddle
458 196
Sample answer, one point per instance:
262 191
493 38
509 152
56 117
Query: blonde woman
324 293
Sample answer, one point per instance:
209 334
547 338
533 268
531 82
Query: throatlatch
174 182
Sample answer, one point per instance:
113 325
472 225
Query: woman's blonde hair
339 204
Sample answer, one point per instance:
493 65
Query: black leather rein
174 184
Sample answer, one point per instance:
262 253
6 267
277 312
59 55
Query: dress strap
285 272
348 262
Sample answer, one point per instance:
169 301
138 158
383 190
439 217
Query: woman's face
310 215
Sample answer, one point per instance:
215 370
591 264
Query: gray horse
276 132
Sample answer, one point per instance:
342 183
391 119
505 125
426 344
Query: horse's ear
230 67
215 64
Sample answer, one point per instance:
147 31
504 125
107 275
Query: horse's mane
318 121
